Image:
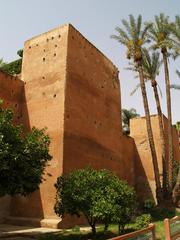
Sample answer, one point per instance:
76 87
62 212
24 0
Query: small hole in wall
44 50
29 47
43 77
44 59
37 45
43 94
95 122
102 86
55 45
54 95
59 36
15 105
54 54
24 83
47 40
52 38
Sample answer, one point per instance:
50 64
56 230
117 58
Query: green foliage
126 116
133 36
160 33
12 68
176 36
143 221
76 228
20 53
178 126
98 195
160 213
23 157
2 63
149 204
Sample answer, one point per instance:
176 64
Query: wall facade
44 74
71 88
144 175
11 92
92 121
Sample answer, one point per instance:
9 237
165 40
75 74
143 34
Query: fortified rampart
71 88
11 91
144 181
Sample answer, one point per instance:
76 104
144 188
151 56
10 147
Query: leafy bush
12 68
76 228
23 157
149 204
98 195
143 221
159 213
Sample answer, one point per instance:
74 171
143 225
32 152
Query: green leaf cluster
23 157
12 68
98 195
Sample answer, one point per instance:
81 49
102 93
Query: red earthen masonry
71 88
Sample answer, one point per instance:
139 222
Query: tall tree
126 116
133 37
151 67
175 27
160 34
23 156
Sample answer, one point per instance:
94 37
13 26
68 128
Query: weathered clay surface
144 175
71 88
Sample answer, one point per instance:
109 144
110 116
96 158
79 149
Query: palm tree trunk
176 191
162 136
150 135
170 137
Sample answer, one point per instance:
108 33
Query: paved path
23 232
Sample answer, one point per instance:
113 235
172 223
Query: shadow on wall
13 94
142 184
32 203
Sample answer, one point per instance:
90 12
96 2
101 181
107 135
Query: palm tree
126 116
160 33
176 36
133 37
151 67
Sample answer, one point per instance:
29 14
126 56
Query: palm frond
139 23
175 86
127 27
137 87
133 26
178 73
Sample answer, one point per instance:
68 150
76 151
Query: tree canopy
98 195
23 156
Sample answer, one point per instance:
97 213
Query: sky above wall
96 20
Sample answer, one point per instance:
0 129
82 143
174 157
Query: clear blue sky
96 20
